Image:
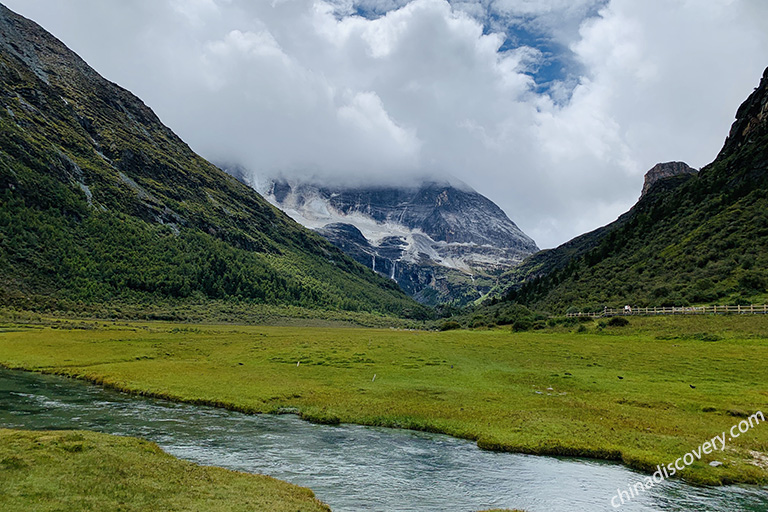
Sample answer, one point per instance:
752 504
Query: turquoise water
354 468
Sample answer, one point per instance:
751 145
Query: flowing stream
354 468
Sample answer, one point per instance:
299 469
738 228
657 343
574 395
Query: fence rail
687 310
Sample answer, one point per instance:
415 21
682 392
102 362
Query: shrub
478 323
618 321
513 313
450 325
568 321
752 280
523 324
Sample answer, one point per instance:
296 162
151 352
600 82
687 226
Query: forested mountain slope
100 202
690 239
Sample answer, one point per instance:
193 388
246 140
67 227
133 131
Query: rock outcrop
664 171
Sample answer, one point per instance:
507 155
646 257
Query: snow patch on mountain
439 239
310 207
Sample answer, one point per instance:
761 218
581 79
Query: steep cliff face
665 171
441 241
446 212
101 202
751 123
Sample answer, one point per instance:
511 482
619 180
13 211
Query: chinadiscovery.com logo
717 443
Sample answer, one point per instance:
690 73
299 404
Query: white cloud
196 11
422 86
366 117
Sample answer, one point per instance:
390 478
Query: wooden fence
687 310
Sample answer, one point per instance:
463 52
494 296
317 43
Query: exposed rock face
444 212
441 241
664 171
751 119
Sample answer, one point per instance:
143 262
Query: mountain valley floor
644 394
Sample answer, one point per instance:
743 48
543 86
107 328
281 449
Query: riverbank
79 471
644 394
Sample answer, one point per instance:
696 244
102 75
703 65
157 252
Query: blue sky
557 63
554 109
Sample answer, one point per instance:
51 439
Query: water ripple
350 467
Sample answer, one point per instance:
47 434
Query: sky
553 109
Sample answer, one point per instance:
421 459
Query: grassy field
84 471
646 393
215 312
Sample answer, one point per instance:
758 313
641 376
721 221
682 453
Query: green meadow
645 393
79 471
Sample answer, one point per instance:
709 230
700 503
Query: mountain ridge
690 239
103 202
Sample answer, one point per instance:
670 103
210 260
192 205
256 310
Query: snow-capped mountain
440 240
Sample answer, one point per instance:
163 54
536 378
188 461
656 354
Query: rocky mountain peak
439 239
663 171
443 210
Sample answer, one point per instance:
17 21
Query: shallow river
353 468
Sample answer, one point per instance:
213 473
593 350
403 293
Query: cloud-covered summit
553 109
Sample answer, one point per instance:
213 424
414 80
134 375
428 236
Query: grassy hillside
690 240
85 471
100 202
645 393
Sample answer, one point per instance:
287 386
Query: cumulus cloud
387 90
